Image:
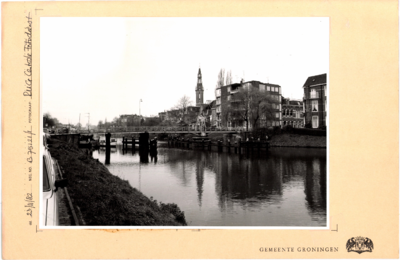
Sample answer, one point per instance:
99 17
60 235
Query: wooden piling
108 148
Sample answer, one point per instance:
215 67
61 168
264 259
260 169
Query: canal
285 187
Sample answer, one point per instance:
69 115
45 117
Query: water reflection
286 187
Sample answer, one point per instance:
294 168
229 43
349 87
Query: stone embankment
104 199
294 140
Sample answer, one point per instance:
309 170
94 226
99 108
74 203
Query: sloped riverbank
105 199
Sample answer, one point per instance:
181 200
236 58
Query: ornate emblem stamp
359 245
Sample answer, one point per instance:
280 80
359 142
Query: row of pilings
237 147
146 146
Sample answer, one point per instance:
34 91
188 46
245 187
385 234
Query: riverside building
315 103
224 95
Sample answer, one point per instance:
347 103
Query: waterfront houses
292 113
315 101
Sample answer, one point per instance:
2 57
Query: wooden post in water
144 147
108 148
209 145
239 146
123 143
229 146
133 144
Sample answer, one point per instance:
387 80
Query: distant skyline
104 66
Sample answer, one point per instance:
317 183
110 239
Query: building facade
292 113
315 101
129 120
224 97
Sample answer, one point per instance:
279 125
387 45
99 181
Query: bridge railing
165 129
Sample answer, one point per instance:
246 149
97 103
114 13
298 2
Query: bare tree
221 79
182 105
251 106
228 78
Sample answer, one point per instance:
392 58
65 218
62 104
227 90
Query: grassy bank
105 199
293 140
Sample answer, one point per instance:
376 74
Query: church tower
199 90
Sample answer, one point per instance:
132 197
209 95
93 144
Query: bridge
161 130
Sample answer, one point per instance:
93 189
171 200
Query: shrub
306 131
260 133
288 129
322 128
277 130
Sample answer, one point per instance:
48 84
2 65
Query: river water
285 187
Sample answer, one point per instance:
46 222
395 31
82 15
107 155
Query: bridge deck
169 132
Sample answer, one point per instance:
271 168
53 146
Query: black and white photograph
190 122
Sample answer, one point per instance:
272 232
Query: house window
229 97
277 115
314 106
268 88
262 87
314 93
315 122
229 89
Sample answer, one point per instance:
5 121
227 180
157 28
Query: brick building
292 113
315 103
225 94
129 120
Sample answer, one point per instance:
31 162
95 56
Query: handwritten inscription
28 57
29 204
30 151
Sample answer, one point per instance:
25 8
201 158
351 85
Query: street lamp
85 114
139 112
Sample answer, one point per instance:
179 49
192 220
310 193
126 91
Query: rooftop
314 80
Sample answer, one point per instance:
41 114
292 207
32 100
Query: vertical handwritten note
27 92
28 57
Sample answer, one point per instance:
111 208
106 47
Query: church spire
199 89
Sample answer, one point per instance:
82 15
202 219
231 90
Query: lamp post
139 112
85 114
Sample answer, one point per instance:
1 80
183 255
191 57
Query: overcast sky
104 66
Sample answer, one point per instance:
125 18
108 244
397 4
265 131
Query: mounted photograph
184 123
